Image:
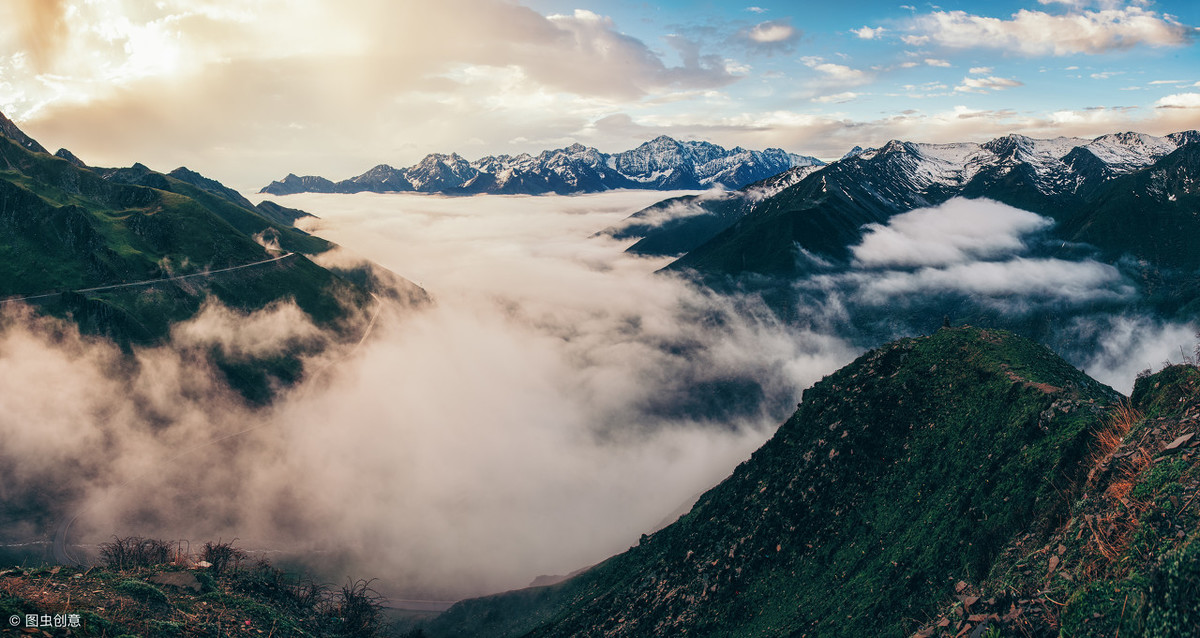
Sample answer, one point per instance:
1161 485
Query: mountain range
660 164
824 209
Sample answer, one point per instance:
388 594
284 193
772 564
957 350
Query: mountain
1095 191
914 467
680 224
126 253
661 164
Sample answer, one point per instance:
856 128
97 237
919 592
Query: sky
247 92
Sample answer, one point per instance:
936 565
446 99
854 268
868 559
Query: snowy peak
1058 165
1124 152
662 163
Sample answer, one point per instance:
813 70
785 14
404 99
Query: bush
135 551
359 609
221 556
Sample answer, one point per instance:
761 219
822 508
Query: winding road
149 282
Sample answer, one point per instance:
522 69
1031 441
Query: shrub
135 551
359 609
222 555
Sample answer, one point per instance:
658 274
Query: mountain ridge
874 184
659 164
909 468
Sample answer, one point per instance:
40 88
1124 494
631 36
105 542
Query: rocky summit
660 164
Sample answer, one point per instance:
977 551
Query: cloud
980 70
507 430
836 98
937 62
868 33
958 231
769 37
316 100
1035 33
1055 280
42 27
756 10
983 85
1121 346
839 74
1179 101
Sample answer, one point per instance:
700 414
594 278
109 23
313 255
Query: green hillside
69 228
71 236
904 472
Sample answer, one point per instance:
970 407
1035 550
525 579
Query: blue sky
251 90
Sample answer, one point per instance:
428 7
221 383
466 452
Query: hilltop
943 466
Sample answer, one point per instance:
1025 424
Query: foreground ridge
904 472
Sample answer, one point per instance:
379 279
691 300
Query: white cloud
1039 33
915 40
1104 75
1054 279
980 70
985 84
1155 82
839 73
1128 345
836 98
756 10
937 62
958 231
506 431
770 36
868 33
1179 101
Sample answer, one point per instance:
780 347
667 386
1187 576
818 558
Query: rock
182 580
960 586
1174 445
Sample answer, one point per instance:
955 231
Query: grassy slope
910 468
1126 560
68 228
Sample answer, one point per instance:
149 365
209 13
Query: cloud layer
1040 33
555 401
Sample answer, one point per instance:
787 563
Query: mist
555 401
557 398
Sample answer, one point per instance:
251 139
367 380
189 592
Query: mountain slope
907 469
678 225
662 163
1101 192
126 253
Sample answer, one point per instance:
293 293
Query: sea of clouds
555 400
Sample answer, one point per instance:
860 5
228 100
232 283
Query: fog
991 264
555 401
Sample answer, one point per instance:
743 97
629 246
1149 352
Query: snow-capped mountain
662 164
821 212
